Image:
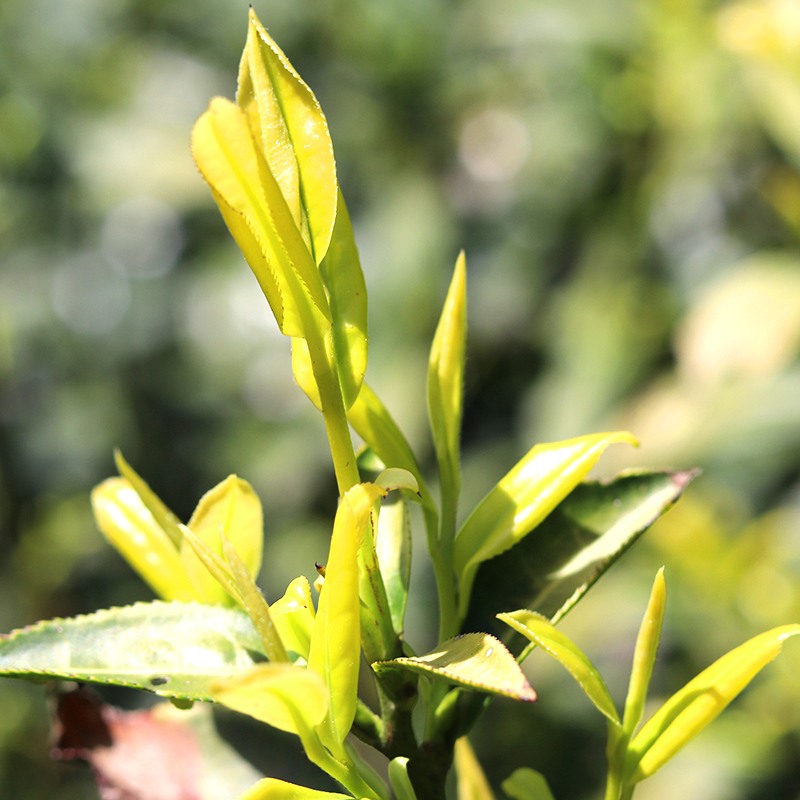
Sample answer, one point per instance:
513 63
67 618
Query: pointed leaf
552 568
475 660
540 631
688 711
172 649
161 514
527 784
336 638
393 546
446 381
233 509
130 528
644 655
293 616
255 605
523 498
273 789
285 117
290 698
258 217
471 781
344 280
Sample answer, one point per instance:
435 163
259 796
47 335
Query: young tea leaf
398 777
287 121
470 779
541 632
393 548
474 660
293 616
446 383
688 711
132 530
231 509
644 655
336 637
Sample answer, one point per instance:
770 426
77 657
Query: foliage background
624 177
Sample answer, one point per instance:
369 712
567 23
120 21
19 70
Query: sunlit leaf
287 121
233 509
393 547
475 660
541 632
527 784
644 655
281 695
471 783
522 499
344 280
172 649
293 616
446 382
336 637
131 529
553 567
273 789
254 603
258 217
688 711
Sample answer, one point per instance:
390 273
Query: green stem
336 425
616 749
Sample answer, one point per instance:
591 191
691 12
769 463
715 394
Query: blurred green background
625 179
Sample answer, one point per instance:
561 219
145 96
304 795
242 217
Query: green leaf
527 784
293 616
336 637
470 778
552 569
393 547
344 280
254 604
273 789
256 212
474 660
290 698
522 499
232 509
398 777
171 649
540 631
644 655
285 117
688 711
446 383
130 528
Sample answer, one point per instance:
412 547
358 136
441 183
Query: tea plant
539 539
